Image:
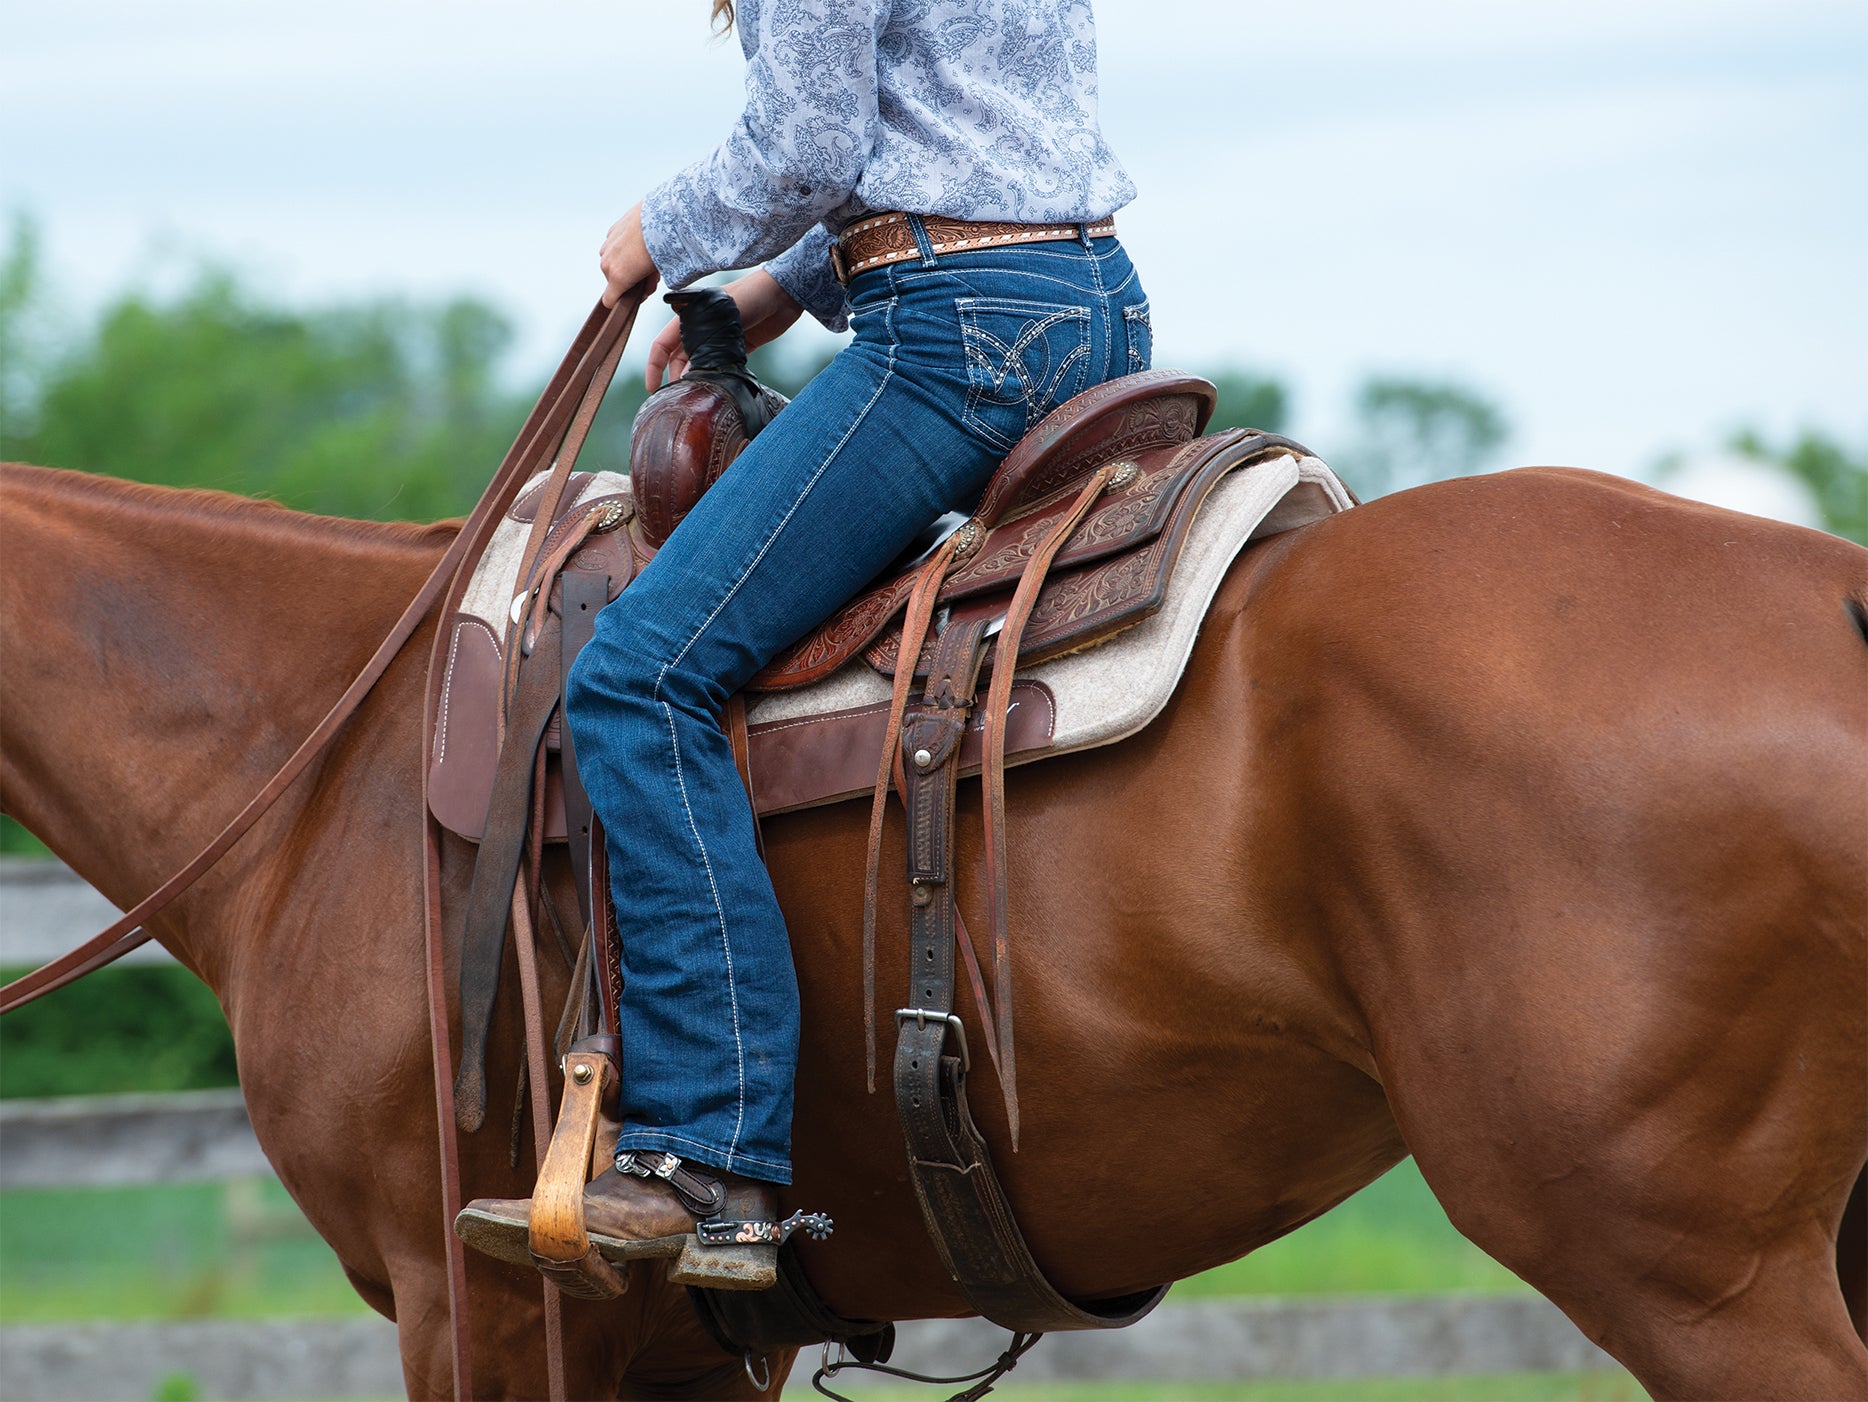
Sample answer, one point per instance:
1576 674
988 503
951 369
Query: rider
949 120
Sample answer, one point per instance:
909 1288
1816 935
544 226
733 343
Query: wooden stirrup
560 1245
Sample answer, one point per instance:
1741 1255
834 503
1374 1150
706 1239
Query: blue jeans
953 359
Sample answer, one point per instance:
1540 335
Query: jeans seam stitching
726 939
1102 306
1054 314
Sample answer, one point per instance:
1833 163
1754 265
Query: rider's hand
766 311
624 258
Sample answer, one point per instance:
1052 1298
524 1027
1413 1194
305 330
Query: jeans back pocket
1023 359
1141 337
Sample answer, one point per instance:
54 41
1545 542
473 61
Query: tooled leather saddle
1074 540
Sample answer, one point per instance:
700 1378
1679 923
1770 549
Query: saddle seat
817 712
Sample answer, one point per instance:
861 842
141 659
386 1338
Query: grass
1390 1238
234 1250
1476 1387
240 1250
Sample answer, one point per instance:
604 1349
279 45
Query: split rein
604 331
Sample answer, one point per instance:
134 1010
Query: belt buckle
838 268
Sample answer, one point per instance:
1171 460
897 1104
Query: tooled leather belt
888 238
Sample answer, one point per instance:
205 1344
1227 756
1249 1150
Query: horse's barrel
687 432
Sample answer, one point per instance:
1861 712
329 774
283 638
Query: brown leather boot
722 1230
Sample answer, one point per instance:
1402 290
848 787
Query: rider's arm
803 270
796 153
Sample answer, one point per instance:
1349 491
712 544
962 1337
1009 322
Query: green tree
1415 431
1836 476
383 409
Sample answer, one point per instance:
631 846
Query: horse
1518 823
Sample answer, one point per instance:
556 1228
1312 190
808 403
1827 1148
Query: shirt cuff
677 258
804 271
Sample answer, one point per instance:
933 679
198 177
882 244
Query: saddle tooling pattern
1178 508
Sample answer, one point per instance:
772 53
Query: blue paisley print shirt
972 109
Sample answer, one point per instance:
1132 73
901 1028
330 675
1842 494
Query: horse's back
1578 641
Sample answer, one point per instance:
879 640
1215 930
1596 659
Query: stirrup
705 1196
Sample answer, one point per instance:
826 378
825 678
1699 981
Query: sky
1635 224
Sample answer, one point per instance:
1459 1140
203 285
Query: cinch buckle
923 1016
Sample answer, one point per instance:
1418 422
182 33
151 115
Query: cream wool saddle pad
821 743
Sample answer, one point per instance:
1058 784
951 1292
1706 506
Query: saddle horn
687 433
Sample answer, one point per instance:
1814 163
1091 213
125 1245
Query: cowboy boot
721 1229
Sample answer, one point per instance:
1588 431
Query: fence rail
1208 1341
114 1141
46 908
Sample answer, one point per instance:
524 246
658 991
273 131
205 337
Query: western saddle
1074 539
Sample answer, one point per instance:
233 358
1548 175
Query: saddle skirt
1104 649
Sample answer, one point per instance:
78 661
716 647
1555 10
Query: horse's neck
165 651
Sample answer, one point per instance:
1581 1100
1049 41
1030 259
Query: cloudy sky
1635 223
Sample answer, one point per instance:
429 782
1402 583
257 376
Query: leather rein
552 434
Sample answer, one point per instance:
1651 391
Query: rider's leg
952 362
909 421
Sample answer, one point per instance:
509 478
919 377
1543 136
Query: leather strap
992 772
733 721
881 239
585 594
789 1315
526 943
496 871
962 1200
915 623
569 382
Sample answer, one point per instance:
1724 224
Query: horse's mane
257 512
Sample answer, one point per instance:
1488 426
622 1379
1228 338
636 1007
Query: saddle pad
821 744
466 739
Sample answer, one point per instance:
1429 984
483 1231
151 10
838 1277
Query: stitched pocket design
1023 359
1141 336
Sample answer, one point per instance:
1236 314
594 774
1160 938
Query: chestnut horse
1519 823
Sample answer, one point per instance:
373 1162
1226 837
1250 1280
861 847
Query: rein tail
558 420
998 708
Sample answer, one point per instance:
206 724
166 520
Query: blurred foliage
1249 401
1409 432
1836 476
126 1028
15 841
388 409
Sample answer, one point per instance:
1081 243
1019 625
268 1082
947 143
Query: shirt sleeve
804 271
796 153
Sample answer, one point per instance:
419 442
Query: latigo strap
964 1204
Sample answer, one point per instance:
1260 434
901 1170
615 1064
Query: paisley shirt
973 109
